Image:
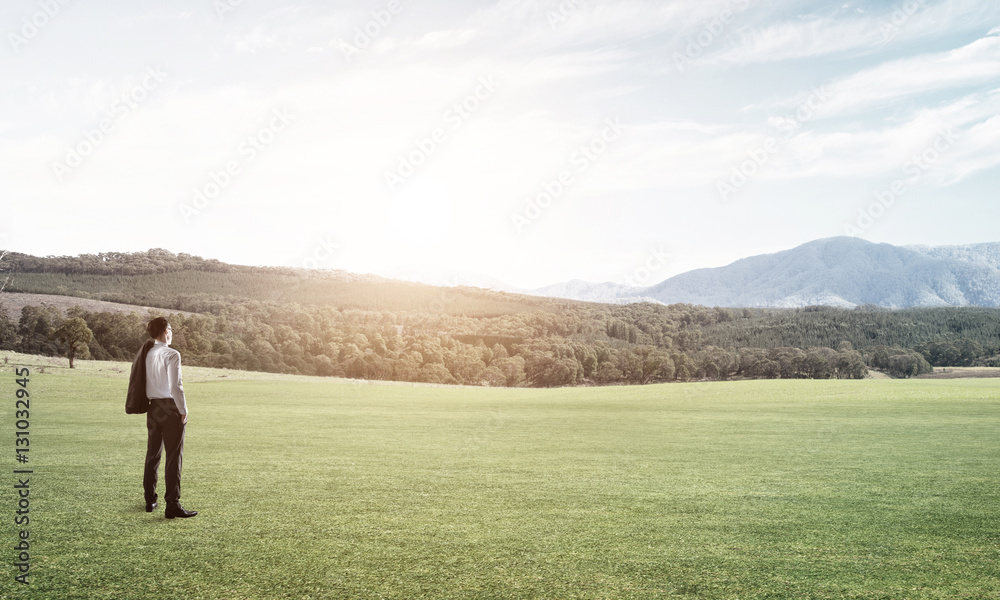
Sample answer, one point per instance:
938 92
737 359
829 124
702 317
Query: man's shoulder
167 351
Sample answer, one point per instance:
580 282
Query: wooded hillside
338 324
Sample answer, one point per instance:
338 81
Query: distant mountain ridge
607 292
980 254
840 271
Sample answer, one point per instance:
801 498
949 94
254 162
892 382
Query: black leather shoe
150 506
178 511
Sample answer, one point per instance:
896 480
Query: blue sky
529 141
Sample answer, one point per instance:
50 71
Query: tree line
531 349
334 324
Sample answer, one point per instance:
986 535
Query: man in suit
166 419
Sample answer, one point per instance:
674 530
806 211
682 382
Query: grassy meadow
313 488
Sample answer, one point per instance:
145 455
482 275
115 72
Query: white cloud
880 86
885 151
538 24
256 40
447 39
783 41
819 36
975 150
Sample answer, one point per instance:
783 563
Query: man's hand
184 419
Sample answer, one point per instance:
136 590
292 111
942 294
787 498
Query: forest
336 324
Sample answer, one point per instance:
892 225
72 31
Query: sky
532 142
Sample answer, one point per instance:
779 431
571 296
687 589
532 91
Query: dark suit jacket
136 401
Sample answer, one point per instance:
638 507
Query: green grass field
310 488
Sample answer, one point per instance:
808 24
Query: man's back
163 375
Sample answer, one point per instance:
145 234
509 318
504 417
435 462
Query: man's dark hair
157 326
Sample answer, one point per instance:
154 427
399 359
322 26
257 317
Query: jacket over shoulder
136 401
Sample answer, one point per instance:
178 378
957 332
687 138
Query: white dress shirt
163 375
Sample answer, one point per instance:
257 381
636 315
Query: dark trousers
163 424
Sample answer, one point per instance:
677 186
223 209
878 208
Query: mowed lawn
311 488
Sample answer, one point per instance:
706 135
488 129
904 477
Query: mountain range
839 271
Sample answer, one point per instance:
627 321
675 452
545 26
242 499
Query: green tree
512 369
908 364
880 358
819 363
850 365
436 373
653 364
8 332
35 329
970 351
75 335
6 278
